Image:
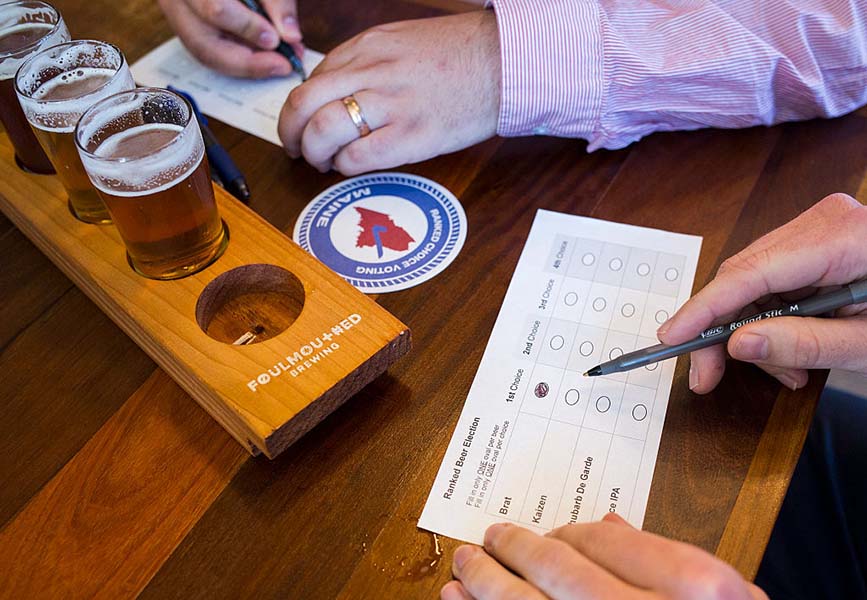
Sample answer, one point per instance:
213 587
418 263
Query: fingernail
788 381
693 377
281 71
462 555
615 518
290 22
751 346
494 532
268 39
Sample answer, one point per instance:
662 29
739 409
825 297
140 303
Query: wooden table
115 483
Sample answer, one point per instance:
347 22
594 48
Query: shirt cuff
552 67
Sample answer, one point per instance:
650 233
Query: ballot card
538 444
251 105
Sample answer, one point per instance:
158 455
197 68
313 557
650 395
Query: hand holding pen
228 36
283 49
822 248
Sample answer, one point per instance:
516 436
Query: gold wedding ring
356 115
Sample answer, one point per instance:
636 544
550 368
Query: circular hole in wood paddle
250 304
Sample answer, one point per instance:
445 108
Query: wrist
490 68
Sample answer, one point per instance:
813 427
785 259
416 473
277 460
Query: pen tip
593 372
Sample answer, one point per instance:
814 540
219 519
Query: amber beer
143 151
26 26
55 87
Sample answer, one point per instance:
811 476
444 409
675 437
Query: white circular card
384 232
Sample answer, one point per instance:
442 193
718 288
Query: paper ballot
538 443
247 104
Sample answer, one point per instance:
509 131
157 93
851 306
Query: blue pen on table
229 175
820 304
282 48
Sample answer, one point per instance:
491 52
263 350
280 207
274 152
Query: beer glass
55 87
26 26
143 151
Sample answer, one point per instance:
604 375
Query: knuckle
321 124
838 202
808 351
551 558
213 10
377 148
750 264
370 36
738 262
297 99
209 58
355 156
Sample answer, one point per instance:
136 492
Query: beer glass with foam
143 151
55 87
26 26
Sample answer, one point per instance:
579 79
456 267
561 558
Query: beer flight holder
313 340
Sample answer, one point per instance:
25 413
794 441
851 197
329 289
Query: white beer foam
62 116
9 66
139 176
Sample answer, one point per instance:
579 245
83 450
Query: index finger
552 566
823 246
233 17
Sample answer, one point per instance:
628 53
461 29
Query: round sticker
384 232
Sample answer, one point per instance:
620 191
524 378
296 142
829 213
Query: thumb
284 15
804 343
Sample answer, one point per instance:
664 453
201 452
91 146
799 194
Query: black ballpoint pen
229 174
854 293
283 48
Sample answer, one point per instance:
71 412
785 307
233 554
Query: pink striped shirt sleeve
613 71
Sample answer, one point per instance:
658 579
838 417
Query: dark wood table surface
114 483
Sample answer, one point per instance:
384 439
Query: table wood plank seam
142 433
38 317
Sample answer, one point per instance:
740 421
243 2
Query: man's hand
824 246
228 37
426 87
608 559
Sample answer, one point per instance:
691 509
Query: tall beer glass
55 87
26 26
143 151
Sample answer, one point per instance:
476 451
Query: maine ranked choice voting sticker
384 232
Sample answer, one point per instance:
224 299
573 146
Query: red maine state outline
379 231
